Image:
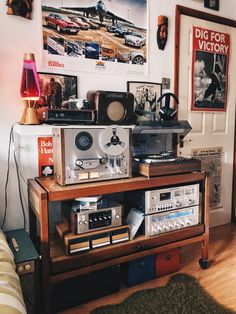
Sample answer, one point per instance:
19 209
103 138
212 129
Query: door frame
181 10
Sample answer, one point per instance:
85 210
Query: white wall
19 35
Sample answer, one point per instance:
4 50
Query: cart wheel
203 263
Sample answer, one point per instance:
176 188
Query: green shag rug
181 295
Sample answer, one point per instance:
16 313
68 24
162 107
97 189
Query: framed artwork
212 4
56 90
146 95
209 69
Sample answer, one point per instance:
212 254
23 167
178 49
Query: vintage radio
69 116
108 214
72 244
112 107
91 154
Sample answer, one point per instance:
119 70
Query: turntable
154 148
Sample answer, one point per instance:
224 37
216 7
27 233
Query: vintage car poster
89 35
211 159
210 61
45 156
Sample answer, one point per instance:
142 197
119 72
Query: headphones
165 112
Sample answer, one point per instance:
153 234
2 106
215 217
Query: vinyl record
113 140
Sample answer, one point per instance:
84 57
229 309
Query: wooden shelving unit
57 267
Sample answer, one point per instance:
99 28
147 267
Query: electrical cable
11 141
7 178
18 181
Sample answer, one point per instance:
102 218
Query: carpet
181 295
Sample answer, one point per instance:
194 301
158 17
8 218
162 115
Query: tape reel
113 140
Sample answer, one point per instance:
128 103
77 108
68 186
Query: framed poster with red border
210 61
45 156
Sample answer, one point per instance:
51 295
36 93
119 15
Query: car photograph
92 50
61 23
121 32
135 39
91 24
82 25
108 51
134 56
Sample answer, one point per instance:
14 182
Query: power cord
12 141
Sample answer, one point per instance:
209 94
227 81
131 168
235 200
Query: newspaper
211 159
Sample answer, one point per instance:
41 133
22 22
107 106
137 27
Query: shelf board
125 251
57 193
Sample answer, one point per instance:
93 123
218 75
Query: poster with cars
90 35
210 61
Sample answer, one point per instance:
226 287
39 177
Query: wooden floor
219 280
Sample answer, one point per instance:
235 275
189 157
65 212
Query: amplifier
97 219
159 200
171 220
68 116
71 243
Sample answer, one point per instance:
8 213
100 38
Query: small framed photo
56 90
212 4
146 95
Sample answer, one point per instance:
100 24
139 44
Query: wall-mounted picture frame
56 90
212 4
146 95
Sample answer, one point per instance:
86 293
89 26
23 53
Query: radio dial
85 222
117 216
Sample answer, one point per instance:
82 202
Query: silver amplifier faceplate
171 220
171 198
97 219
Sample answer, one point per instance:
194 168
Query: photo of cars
92 24
56 46
121 32
135 39
75 48
92 50
79 22
61 23
116 36
108 51
134 56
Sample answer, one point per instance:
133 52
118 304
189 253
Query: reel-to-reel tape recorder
87 154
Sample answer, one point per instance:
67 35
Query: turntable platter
156 158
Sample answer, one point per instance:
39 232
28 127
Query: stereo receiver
172 220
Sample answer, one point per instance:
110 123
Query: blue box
139 270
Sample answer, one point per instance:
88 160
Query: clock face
212 4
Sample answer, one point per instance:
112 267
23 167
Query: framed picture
146 95
212 4
56 90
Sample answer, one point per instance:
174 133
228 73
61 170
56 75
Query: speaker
112 107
